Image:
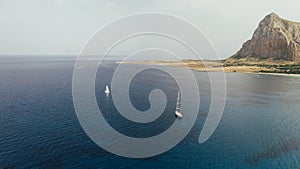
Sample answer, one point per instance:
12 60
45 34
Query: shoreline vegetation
245 65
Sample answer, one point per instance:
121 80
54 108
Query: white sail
106 89
178 113
178 102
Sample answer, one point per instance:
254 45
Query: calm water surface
260 127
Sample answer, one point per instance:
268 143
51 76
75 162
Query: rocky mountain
275 38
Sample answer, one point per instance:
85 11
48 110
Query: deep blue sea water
260 127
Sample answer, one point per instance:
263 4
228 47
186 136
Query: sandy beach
211 66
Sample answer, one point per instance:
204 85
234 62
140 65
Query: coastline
211 66
279 74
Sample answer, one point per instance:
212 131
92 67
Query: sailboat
106 90
178 106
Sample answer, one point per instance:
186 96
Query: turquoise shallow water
260 127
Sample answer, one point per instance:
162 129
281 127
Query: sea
39 128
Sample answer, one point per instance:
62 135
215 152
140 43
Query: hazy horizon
60 27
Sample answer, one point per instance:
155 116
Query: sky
61 27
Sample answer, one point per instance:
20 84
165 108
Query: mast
178 104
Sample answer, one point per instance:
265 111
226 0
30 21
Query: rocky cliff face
275 38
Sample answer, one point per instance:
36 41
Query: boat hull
178 114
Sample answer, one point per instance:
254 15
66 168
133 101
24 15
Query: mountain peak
273 15
275 38
270 19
